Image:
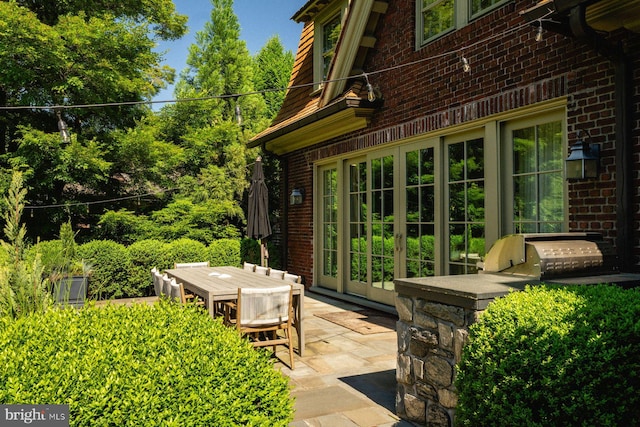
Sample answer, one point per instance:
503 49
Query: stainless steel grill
551 255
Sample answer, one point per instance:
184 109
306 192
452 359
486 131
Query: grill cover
549 255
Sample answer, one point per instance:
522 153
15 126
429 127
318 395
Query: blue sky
259 21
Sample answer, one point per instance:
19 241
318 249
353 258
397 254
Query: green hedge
110 269
160 365
552 356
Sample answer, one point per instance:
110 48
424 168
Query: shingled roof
343 98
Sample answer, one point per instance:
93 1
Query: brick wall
300 218
509 69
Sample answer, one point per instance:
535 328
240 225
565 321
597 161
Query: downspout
623 114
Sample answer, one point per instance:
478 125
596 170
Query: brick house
419 132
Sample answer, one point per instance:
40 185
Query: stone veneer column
435 314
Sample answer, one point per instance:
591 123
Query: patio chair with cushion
262 270
156 278
293 278
166 285
262 312
249 267
279 274
191 264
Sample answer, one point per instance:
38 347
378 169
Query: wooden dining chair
278 274
249 267
180 295
262 270
293 278
191 264
262 312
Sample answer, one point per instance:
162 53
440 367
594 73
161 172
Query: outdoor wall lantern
583 161
297 194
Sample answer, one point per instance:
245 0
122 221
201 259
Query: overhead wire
269 90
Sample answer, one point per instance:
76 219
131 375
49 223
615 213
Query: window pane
413 205
479 6
524 150
551 186
525 198
437 17
354 207
456 162
475 159
427 211
426 166
475 201
550 146
412 172
457 202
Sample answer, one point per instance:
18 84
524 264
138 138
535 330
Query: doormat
364 322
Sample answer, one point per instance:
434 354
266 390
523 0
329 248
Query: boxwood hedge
159 365
554 356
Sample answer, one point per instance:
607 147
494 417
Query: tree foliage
189 157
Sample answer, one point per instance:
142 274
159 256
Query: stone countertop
472 291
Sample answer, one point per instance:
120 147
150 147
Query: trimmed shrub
185 250
224 252
111 265
159 365
146 254
554 356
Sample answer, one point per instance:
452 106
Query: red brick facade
426 90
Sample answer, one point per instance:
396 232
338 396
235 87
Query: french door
411 211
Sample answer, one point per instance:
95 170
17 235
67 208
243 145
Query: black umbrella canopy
258 225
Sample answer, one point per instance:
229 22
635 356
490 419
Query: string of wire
280 89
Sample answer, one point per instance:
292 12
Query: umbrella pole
264 254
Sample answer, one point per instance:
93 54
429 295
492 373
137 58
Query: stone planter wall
435 314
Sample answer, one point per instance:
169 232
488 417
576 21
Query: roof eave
344 116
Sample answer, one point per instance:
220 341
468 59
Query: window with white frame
438 17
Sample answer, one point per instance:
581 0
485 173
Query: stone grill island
435 314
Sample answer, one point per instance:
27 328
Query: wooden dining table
215 285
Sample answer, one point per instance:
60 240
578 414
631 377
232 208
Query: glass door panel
383 243
356 282
419 218
328 228
466 195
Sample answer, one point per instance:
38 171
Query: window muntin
466 191
538 183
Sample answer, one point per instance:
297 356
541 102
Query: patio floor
345 378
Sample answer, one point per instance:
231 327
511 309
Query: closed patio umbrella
258 225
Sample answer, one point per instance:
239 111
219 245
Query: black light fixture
63 128
296 197
583 161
